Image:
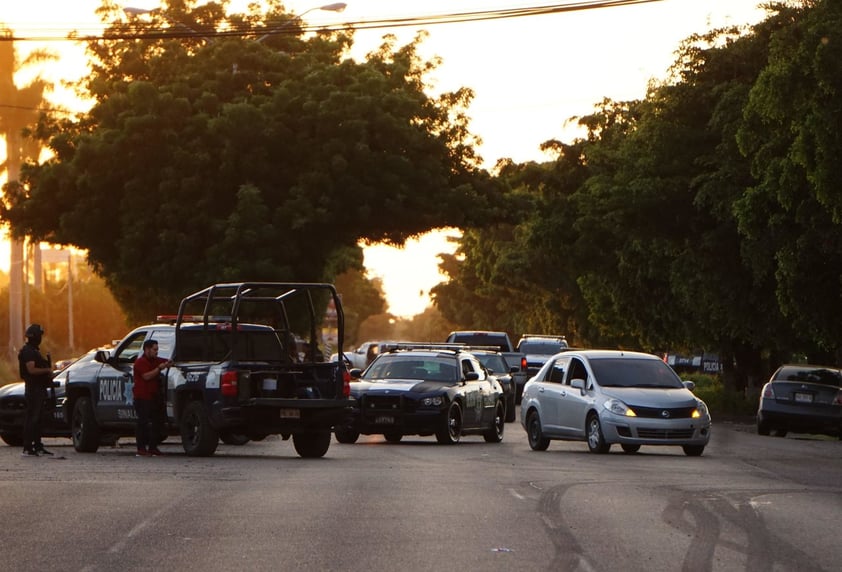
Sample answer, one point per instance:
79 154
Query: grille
649 433
381 403
658 412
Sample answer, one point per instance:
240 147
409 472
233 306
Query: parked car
802 398
424 390
13 405
365 353
538 348
496 365
606 397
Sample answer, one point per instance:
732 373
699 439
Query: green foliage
225 158
361 299
721 400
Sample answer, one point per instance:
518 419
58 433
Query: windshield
543 347
802 374
625 372
402 367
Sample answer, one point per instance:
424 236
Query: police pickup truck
237 372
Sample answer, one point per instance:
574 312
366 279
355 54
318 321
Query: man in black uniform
37 374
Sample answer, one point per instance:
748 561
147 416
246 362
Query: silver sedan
606 397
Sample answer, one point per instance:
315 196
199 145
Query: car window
131 349
494 363
577 371
821 376
555 374
542 347
625 372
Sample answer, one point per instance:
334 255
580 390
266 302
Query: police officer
37 374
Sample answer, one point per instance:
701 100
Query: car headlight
617 407
701 410
432 401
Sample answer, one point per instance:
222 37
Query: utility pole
13 154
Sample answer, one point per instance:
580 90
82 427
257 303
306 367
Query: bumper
648 431
272 416
416 423
825 419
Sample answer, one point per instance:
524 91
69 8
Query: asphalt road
750 503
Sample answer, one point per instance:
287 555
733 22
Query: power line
134 32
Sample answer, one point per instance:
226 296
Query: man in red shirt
147 398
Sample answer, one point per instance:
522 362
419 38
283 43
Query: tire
494 434
763 427
511 412
393 436
346 436
450 429
537 441
198 438
83 428
596 441
630 448
693 450
12 439
234 438
311 445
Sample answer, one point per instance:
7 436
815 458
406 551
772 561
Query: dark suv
538 348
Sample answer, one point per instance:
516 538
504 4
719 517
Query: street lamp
335 7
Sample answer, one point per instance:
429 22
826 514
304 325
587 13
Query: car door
550 393
575 403
488 394
115 402
472 390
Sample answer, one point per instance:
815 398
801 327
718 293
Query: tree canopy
209 158
705 215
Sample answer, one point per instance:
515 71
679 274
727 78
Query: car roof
610 354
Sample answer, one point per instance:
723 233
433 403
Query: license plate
290 414
803 398
384 420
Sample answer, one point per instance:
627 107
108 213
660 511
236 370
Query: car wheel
12 439
693 450
83 427
393 436
596 441
537 441
630 448
450 430
234 438
511 412
198 438
494 434
780 432
346 436
311 445
763 427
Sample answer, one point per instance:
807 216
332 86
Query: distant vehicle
606 397
365 353
803 399
424 390
538 348
503 344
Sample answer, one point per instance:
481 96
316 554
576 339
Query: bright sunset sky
529 75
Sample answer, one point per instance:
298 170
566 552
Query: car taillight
346 383
768 392
523 363
838 399
229 383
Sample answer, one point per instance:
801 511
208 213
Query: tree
219 156
19 110
361 299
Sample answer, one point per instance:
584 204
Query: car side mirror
355 373
101 356
578 384
691 385
471 376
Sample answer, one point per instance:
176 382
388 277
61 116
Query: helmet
34 330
